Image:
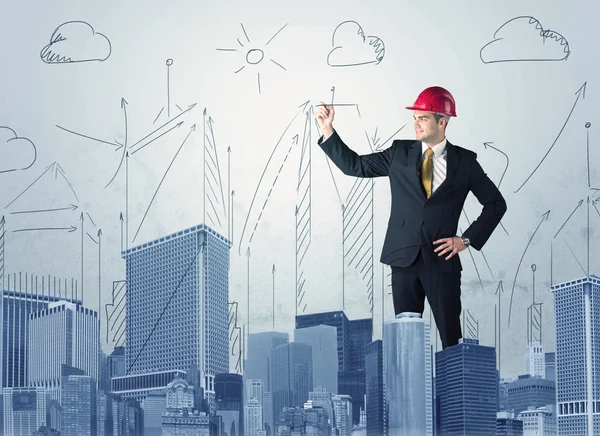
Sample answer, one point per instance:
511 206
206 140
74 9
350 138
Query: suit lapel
414 164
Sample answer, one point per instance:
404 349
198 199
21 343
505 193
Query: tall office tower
535 361
253 419
342 411
291 375
407 375
374 388
229 399
177 306
577 319
337 319
466 386
538 421
154 407
319 397
24 410
181 417
550 366
529 391
323 340
25 294
63 334
79 406
361 334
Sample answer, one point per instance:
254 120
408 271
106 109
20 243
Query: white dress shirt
439 163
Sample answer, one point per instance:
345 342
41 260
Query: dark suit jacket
415 221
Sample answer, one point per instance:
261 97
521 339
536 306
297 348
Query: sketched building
577 318
62 334
25 294
407 375
182 280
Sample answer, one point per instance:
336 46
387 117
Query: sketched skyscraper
577 317
177 306
407 376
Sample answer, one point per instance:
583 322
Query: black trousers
424 278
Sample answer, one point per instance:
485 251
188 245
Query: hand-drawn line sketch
534 315
269 174
524 39
580 93
76 41
47 181
2 232
470 325
254 56
489 144
193 128
18 153
512 292
168 63
498 323
235 335
352 48
216 215
115 314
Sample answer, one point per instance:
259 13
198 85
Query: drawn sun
254 56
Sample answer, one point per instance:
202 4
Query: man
429 180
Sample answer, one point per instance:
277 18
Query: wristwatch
466 241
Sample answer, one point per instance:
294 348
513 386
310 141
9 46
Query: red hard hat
435 99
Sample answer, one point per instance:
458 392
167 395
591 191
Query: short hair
440 116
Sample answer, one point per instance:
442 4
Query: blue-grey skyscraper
25 294
407 375
291 376
529 391
79 407
323 340
63 334
374 388
177 305
229 398
550 366
361 334
577 318
340 321
466 388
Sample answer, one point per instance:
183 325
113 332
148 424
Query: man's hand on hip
451 245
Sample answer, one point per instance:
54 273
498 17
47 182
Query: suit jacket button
424 223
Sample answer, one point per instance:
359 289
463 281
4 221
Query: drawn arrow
99 271
190 107
301 110
379 147
544 217
229 190
248 279
82 232
127 201
70 229
569 217
121 219
193 128
232 209
72 207
158 137
273 273
580 92
489 144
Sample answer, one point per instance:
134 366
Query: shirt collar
438 149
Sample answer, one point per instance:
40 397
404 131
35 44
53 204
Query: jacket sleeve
350 163
494 206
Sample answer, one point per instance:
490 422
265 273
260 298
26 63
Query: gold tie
427 172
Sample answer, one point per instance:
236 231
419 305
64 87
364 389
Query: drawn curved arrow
544 217
489 144
302 108
580 92
569 217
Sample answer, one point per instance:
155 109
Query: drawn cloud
76 41
352 48
16 153
524 39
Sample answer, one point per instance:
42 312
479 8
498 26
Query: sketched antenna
168 63
115 314
235 336
2 243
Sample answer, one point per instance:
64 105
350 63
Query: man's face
426 128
